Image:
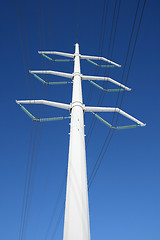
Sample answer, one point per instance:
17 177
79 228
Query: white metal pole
76 222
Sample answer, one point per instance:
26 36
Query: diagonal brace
106 90
98 64
57 60
49 83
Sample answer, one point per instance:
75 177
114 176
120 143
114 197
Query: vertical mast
76 223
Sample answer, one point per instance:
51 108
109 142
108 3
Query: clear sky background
124 197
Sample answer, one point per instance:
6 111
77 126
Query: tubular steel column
76 223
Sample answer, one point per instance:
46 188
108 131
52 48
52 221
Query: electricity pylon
76 222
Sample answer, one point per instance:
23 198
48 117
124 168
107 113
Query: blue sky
125 195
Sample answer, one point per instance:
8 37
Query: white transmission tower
76 222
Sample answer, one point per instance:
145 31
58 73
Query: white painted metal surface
61 74
76 223
57 53
45 102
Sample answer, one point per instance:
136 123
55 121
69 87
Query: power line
22 48
103 146
133 53
26 39
28 188
26 181
28 161
100 158
63 182
56 204
101 42
103 25
29 170
92 125
94 120
58 221
113 44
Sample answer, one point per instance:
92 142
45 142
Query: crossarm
40 119
61 74
111 109
96 78
57 53
45 102
100 58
